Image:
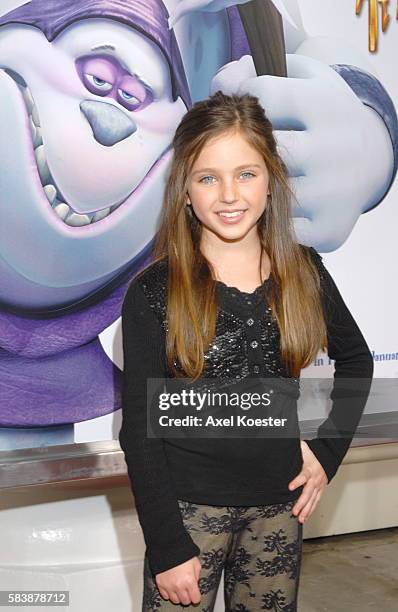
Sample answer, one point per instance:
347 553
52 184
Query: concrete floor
350 573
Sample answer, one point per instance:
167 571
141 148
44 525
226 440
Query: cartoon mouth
58 203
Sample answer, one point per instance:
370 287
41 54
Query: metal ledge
105 459
61 463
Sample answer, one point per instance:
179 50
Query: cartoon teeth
27 96
53 194
61 209
101 214
35 116
76 220
42 166
36 134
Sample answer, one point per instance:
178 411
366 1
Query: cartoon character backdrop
90 95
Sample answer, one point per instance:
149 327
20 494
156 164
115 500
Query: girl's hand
180 583
314 479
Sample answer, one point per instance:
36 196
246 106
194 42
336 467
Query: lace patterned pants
259 548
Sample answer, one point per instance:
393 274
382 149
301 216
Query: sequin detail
225 356
228 354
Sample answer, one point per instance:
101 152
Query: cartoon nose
109 124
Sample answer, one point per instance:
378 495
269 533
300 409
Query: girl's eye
202 180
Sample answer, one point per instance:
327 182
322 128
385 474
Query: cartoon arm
372 93
339 150
358 72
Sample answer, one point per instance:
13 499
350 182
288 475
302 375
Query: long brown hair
294 293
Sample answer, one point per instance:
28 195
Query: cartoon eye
97 82
128 97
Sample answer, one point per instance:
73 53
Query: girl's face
229 175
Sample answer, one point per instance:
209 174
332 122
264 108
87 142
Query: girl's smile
228 186
231 217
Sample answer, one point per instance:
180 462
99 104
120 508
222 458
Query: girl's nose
229 192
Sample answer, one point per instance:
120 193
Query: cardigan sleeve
353 374
167 540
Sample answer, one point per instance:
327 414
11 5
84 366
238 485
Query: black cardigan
225 471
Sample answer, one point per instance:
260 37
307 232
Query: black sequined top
220 471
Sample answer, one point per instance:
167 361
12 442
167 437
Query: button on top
250 321
256 369
254 344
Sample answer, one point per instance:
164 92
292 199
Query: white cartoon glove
337 150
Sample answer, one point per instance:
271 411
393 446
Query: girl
230 293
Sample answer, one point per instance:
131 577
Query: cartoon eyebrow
112 48
104 48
